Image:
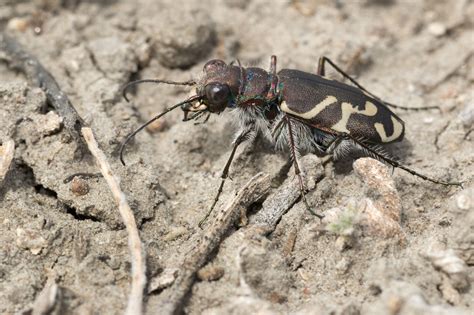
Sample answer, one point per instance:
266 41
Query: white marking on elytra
347 110
397 130
314 111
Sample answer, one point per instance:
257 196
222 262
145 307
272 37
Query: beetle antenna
133 133
133 83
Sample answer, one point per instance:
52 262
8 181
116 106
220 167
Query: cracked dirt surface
412 53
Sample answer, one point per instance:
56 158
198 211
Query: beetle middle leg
294 154
245 134
322 72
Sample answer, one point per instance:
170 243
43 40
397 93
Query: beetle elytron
301 111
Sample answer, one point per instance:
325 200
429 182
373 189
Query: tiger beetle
301 111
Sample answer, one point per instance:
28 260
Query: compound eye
217 94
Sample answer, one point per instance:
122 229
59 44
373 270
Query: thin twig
17 57
7 150
135 299
12 52
254 190
280 201
45 301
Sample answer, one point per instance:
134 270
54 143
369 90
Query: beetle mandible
301 111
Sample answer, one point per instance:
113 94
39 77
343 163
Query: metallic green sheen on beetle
297 110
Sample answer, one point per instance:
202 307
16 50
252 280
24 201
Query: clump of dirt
59 222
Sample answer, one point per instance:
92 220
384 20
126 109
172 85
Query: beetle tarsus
216 199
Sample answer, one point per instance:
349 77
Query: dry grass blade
135 300
254 190
7 151
46 300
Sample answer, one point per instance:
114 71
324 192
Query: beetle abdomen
337 107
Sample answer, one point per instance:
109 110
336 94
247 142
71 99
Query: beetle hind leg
379 154
322 72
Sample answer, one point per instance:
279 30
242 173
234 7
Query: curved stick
137 252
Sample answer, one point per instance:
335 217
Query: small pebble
163 280
304 275
437 29
210 273
49 123
30 239
7 151
466 116
143 51
344 242
79 186
305 8
157 126
428 120
175 233
18 24
464 199
394 304
450 294
343 266
449 263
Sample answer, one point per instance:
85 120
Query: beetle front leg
245 134
294 154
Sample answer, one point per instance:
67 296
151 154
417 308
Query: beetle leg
272 92
331 147
273 65
242 78
394 163
244 135
321 71
294 153
203 121
192 117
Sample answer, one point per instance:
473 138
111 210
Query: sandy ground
417 260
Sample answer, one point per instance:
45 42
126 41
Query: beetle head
218 87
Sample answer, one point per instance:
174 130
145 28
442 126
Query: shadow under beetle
301 111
